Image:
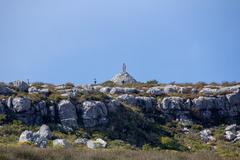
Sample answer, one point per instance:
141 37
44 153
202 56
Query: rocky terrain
183 117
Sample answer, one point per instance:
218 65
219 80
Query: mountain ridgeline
137 114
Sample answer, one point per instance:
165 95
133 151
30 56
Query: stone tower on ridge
124 77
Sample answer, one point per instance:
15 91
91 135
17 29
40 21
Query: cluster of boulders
70 114
39 138
207 90
43 135
232 133
207 136
92 144
203 109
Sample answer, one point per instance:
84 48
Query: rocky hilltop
135 113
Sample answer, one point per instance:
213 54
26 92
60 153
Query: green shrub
56 97
197 127
108 84
146 147
152 82
2 118
169 143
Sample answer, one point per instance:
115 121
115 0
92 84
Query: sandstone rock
21 104
94 114
67 114
155 91
61 143
21 85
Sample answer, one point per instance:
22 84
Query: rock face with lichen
71 107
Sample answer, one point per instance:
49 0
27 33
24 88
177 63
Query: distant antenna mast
124 68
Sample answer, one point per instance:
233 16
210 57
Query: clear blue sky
78 40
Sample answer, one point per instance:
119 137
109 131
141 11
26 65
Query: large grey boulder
98 143
232 128
119 90
67 114
234 98
229 89
208 91
206 135
26 137
203 103
126 98
20 104
147 103
5 90
105 90
155 91
41 108
44 91
94 114
113 106
21 85
172 103
230 136
170 89
39 141
45 132
33 90
62 143
185 90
